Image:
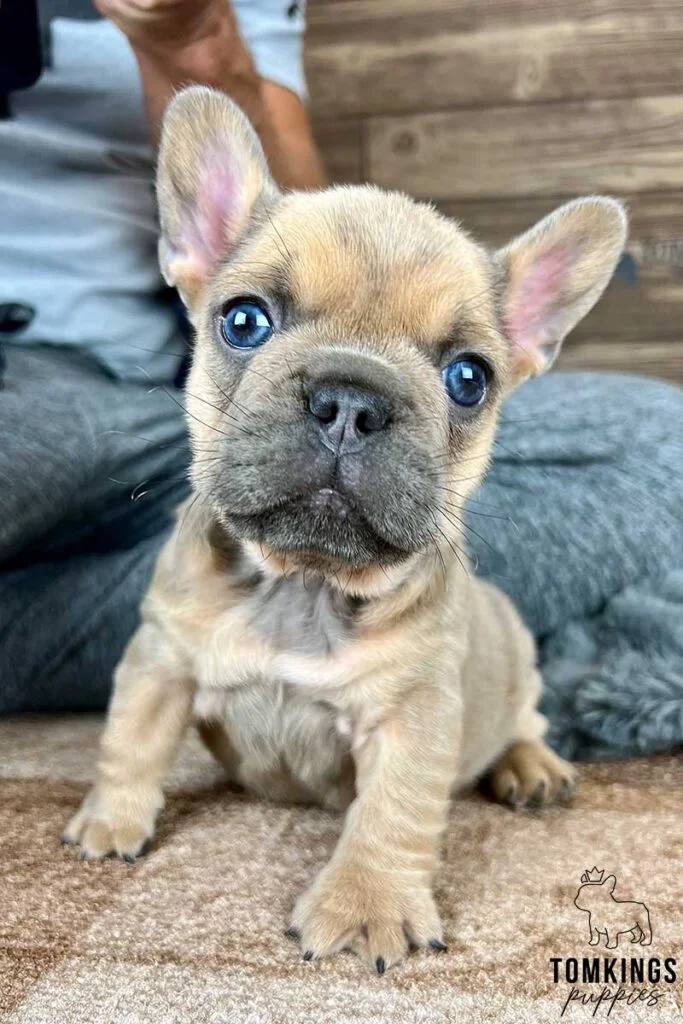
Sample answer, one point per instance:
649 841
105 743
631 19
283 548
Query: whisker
139 437
233 419
284 244
453 548
455 520
439 554
468 501
471 512
198 497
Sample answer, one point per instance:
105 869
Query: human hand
180 42
170 26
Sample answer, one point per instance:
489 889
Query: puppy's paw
529 774
379 915
113 821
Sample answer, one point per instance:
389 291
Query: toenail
128 859
536 797
308 955
439 946
380 965
511 797
292 933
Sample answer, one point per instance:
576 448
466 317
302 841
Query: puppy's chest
287 630
267 666
300 617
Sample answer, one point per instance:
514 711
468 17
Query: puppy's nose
347 416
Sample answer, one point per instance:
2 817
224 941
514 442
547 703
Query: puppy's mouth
323 527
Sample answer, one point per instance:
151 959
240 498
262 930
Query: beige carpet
194 932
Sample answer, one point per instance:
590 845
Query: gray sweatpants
91 469
583 500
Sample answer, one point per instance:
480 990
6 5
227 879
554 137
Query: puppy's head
352 346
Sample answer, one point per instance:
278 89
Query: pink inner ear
213 223
535 294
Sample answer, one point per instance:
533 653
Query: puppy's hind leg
529 773
214 733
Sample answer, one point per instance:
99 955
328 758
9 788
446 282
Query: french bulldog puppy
314 610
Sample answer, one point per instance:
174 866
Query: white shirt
78 225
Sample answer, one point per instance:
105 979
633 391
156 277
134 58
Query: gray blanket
588 476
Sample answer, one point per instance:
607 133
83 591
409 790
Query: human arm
182 42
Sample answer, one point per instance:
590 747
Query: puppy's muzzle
347 417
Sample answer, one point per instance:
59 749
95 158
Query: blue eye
465 381
246 324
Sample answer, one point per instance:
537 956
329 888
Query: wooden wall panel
340 143
654 217
499 109
652 358
645 298
546 149
369 56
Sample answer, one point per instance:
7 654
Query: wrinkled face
346 380
352 346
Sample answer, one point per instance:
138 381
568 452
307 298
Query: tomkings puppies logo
609 916
600 983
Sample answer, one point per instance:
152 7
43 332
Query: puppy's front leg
149 713
376 892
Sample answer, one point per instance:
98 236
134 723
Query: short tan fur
314 610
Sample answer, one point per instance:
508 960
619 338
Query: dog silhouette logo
609 916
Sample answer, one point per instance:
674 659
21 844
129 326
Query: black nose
347 416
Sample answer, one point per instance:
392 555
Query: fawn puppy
313 610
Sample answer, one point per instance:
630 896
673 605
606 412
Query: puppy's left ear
554 274
212 178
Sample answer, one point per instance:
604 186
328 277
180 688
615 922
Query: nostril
328 412
371 419
346 415
363 422
324 408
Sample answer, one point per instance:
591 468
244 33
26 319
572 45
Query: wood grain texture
394 56
662 359
645 298
654 217
500 110
340 143
619 146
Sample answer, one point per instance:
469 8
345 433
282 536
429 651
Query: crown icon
592 875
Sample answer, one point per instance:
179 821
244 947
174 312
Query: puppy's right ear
212 177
